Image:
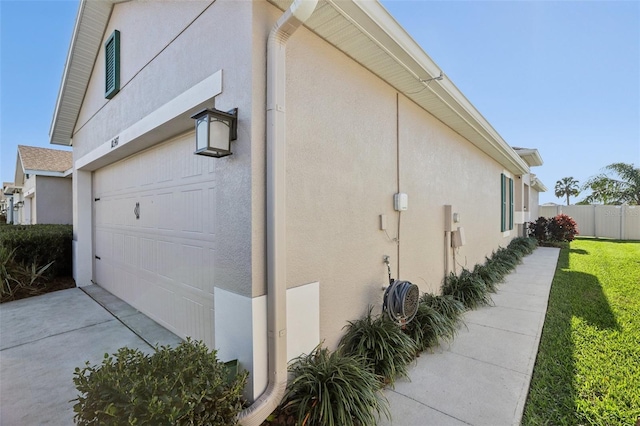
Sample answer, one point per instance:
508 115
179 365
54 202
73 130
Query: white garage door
155 236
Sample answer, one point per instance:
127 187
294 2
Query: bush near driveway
185 385
34 259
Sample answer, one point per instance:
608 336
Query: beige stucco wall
352 142
167 48
53 200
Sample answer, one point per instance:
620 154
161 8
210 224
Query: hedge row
41 244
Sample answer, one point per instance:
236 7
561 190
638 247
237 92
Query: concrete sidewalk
44 338
483 376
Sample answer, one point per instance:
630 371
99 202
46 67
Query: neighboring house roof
363 30
42 161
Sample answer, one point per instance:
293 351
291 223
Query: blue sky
559 76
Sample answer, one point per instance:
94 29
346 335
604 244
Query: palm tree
623 187
567 186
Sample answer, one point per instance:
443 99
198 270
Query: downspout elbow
289 22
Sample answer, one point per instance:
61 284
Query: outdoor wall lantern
19 204
214 132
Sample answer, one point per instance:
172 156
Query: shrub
185 385
562 228
333 389
538 229
436 320
490 275
381 343
18 280
40 245
468 288
523 245
446 305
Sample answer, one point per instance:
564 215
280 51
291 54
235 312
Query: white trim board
169 120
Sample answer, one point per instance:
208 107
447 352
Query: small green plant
333 389
381 343
523 245
437 320
506 259
18 280
468 288
490 274
446 305
185 385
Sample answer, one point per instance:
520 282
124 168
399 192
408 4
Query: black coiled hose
401 301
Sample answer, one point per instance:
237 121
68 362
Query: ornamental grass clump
523 245
333 389
446 305
490 274
506 258
382 345
468 288
437 320
185 385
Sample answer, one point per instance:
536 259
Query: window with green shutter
511 209
503 194
112 65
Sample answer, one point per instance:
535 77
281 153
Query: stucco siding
345 130
191 48
166 49
54 201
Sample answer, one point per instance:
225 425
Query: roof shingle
45 159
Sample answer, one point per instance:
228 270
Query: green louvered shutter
503 205
511 209
112 65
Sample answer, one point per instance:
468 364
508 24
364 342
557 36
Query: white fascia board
91 22
538 186
44 173
171 119
531 156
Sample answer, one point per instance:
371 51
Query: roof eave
413 67
91 22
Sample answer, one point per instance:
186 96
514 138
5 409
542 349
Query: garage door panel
193 201
162 262
148 255
131 250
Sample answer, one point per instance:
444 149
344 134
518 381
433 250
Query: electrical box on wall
457 237
401 201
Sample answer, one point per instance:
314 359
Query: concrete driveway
44 338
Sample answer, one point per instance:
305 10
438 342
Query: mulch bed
44 286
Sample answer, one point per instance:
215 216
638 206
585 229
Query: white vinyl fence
619 222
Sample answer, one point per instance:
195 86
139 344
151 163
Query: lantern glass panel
219 135
202 133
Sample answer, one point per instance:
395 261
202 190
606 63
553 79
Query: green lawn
588 365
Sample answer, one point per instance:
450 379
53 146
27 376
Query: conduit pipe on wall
288 23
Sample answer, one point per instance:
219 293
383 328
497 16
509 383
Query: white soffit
531 156
366 32
91 22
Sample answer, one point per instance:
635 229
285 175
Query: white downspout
288 23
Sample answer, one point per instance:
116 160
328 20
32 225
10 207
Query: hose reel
401 301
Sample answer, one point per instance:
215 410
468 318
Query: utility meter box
457 237
401 201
